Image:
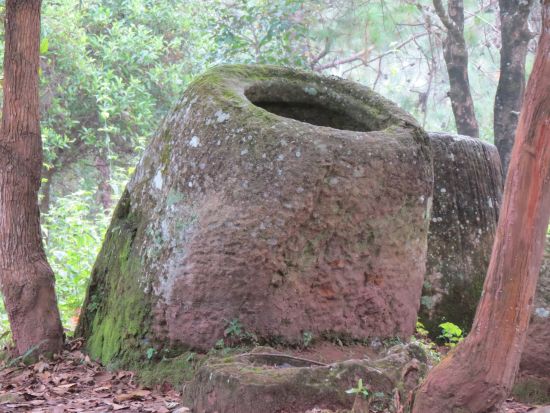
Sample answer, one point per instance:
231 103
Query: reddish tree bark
515 35
456 59
26 277
480 372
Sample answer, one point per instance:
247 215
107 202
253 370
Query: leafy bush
73 232
451 334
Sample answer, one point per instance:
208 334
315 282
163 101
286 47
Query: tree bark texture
456 59
27 279
515 34
481 371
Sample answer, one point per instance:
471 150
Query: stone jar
272 205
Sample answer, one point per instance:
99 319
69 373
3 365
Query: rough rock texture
536 354
288 201
467 195
277 383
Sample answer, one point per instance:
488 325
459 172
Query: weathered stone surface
536 354
467 196
277 383
291 202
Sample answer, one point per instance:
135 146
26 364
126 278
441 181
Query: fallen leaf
102 389
72 382
134 395
41 366
171 405
182 410
11 398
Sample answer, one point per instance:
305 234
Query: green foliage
150 353
359 390
421 329
257 31
236 335
5 333
422 339
73 232
234 329
307 339
429 347
105 66
451 334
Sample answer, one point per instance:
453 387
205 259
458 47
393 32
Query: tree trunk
27 279
515 35
104 189
456 59
480 373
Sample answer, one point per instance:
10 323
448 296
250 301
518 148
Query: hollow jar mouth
314 105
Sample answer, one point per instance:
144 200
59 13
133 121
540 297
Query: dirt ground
74 383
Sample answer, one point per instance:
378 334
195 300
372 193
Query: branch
360 55
452 28
325 51
357 56
398 47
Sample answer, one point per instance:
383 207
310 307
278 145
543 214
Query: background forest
111 69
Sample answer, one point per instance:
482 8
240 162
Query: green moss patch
116 312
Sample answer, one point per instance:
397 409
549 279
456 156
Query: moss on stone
174 371
250 384
116 310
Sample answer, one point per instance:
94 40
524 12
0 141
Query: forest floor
74 383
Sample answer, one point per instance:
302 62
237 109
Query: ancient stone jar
467 195
277 202
535 360
270 381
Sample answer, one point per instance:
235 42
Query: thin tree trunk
27 279
104 189
515 35
456 59
481 371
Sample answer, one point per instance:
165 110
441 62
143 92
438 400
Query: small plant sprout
235 334
451 334
307 339
150 353
234 329
359 390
